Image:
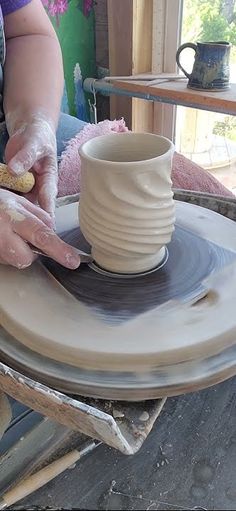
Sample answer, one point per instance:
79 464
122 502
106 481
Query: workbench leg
5 413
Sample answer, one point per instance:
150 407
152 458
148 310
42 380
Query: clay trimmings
127 210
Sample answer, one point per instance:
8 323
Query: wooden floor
188 461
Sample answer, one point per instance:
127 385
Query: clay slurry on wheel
191 259
75 345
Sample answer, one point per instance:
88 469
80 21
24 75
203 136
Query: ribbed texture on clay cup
126 209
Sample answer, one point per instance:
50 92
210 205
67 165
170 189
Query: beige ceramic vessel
127 211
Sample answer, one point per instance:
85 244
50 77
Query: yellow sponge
22 184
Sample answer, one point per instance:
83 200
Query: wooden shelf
177 93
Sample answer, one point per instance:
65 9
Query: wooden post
142 111
130 52
120 33
165 42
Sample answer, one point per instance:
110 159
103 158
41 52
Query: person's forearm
33 79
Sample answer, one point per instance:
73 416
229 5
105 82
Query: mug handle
181 48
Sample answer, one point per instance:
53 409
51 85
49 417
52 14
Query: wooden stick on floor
43 476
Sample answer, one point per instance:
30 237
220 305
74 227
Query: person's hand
22 222
32 146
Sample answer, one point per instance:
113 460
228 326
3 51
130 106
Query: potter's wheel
128 338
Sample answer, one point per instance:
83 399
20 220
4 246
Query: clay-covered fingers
14 251
47 184
24 160
37 211
32 146
34 231
22 222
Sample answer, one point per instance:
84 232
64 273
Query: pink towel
189 176
185 174
69 168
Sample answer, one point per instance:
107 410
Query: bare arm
32 97
33 70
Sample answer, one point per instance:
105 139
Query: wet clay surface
187 461
70 332
191 259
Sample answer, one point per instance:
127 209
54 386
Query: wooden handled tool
22 184
43 476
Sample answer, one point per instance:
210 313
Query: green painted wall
76 34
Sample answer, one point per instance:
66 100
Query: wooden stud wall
130 51
142 111
120 33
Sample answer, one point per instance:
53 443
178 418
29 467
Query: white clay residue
144 417
7 371
117 414
15 215
49 393
12 212
21 266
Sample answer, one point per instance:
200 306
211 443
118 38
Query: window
207 138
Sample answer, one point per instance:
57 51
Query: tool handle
22 184
44 476
39 479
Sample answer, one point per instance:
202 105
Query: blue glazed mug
211 65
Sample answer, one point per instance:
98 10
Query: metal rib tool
84 258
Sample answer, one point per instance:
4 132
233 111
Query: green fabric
76 34
2 59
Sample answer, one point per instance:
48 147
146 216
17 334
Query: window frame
150 37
